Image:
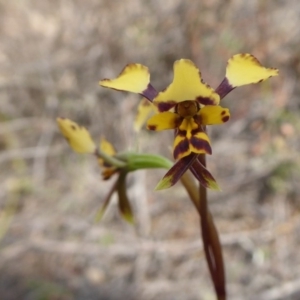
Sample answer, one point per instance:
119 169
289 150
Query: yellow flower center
187 108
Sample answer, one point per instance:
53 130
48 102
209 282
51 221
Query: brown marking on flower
178 122
181 147
198 120
205 100
225 119
181 132
152 127
201 144
195 131
165 106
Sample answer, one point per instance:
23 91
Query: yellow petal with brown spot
245 69
163 121
214 114
187 85
134 78
77 136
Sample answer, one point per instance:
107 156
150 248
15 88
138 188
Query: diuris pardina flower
188 105
80 141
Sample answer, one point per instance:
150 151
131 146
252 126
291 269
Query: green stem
110 159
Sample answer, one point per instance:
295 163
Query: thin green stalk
110 159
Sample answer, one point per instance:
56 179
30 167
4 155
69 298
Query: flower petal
175 173
107 147
245 69
145 109
134 78
190 137
187 85
123 203
77 136
213 114
102 209
181 146
200 143
163 121
204 176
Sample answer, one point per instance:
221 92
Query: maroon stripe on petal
225 119
205 100
201 144
152 127
165 106
181 132
181 147
224 88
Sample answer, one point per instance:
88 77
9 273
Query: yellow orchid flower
188 104
195 104
80 141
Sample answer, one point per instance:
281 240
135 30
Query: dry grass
52 55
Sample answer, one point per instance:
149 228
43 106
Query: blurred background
52 55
